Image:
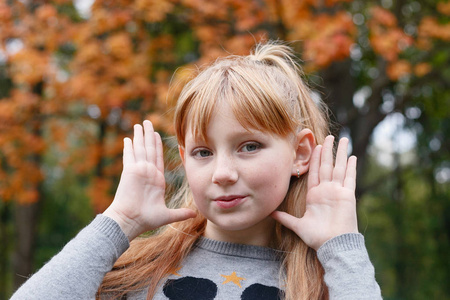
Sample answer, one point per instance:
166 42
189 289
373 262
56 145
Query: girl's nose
225 171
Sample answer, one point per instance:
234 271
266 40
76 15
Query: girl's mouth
227 202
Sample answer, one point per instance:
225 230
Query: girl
264 212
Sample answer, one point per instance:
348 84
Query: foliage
71 86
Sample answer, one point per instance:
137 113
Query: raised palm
330 200
139 203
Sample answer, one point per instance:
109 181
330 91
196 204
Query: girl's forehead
199 130
198 126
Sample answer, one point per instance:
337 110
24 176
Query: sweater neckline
240 250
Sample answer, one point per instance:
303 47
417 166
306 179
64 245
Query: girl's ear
181 152
306 143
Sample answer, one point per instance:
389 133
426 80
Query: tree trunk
339 88
6 237
25 218
26 214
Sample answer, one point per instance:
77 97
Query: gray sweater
213 270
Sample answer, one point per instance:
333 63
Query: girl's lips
227 202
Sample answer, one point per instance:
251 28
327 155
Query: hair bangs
256 106
197 103
254 102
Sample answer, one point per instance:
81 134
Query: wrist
129 227
341 243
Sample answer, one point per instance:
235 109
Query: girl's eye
250 147
201 153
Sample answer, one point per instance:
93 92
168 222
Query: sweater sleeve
349 274
78 270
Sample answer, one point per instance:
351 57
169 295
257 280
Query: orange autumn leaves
390 41
387 38
327 38
78 85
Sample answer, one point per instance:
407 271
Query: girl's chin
239 231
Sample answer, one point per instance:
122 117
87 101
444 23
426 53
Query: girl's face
238 178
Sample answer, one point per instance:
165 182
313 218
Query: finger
128 155
159 152
138 143
341 162
350 174
180 214
149 140
286 220
314 164
326 160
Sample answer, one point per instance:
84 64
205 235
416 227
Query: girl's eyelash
256 146
202 152
198 152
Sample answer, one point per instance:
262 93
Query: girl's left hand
330 201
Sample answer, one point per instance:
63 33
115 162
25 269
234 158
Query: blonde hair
266 93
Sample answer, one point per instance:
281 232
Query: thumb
180 214
287 220
301 229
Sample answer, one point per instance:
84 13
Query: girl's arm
330 226
138 206
77 271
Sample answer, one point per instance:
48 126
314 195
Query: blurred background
76 75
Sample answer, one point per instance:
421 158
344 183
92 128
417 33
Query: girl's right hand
139 203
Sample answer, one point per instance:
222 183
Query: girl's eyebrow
237 134
246 134
251 133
